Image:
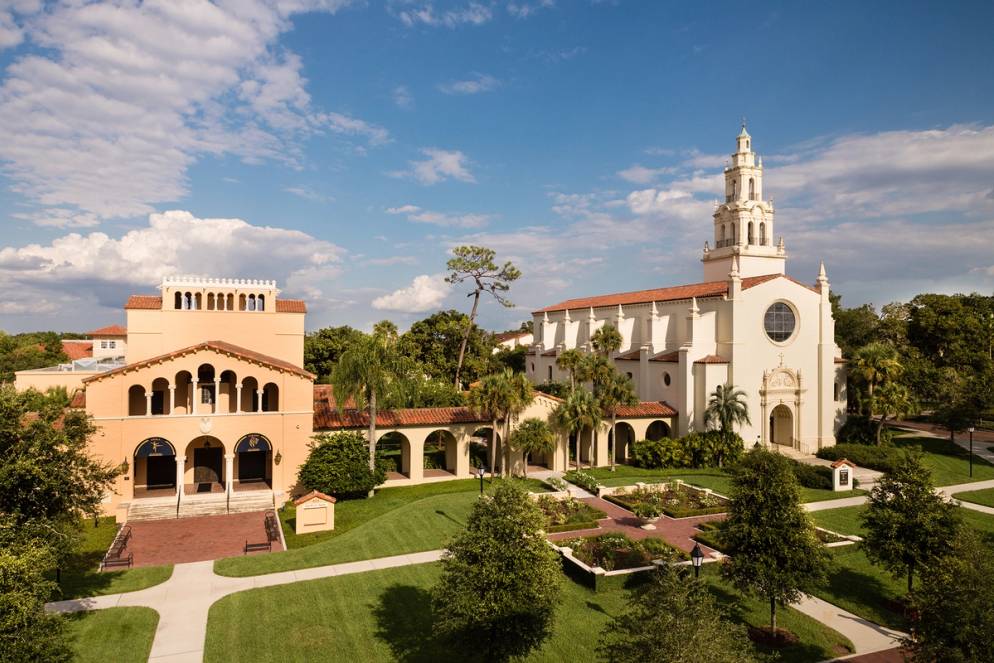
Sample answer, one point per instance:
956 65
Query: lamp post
697 558
970 429
481 472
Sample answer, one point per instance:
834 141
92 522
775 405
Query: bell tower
743 224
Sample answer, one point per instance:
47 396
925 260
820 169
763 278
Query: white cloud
473 13
476 84
526 9
75 268
418 215
639 174
308 193
424 294
440 165
392 260
402 97
120 99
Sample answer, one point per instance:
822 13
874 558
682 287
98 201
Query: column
229 469
172 399
238 398
180 466
217 394
193 396
148 403
258 400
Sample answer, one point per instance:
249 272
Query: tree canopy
323 348
435 341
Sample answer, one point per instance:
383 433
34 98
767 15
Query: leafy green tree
908 525
476 265
606 340
338 465
554 388
952 616
487 398
500 581
386 330
323 348
727 408
952 329
368 371
520 395
435 342
773 550
892 399
673 618
21 352
512 358
570 361
854 327
430 392
579 411
618 390
532 436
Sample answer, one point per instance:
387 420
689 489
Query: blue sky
343 148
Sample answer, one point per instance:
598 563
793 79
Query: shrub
646 510
859 429
582 479
884 459
556 483
713 448
653 454
813 476
338 464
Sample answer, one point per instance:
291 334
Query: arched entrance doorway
657 430
441 453
253 462
479 449
782 426
395 449
623 447
204 466
155 468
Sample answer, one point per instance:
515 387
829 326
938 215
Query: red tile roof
707 289
217 346
327 417
111 330
670 357
155 302
634 355
711 359
314 494
646 409
840 360
77 349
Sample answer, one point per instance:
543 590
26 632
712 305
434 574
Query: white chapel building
747 324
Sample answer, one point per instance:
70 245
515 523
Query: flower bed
563 515
710 534
584 480
676 501
615 552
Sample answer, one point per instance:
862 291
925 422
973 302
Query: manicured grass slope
81 578
950 463
386 616
122 635
393 522
982 497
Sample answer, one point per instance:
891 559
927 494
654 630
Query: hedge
710 449
338 464
883 459
813 476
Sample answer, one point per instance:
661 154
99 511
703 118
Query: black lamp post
970 429
697 558
481 473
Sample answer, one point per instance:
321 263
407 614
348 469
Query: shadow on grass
863 589
450 518
404 623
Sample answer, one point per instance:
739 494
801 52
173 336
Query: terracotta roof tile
669 357
646 409
111 330
634 355
291 306
707 289
327 416
217 346
314 494
152 302
77 349
711 359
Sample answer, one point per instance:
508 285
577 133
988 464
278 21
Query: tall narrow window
762 234
260 303
752 237
178 301
251 302
752 189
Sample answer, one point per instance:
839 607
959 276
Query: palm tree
616 391
578 412
501 397
874 364
533 436
892 399
520 395
570 360
606 340
368 372
726 408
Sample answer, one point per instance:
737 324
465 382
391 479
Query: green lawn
716 479
386 616
393 522
122 635
950 463
843 521
81 578
982 497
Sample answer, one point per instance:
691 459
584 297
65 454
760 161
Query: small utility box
315 513
842 474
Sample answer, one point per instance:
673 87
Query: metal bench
118 561
255 547
115 556
272 527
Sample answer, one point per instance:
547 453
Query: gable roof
673 293
646 409
154 302
110 330
217 346
314 495
77 349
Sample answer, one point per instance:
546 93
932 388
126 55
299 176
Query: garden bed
710 534
598 561
565 514
676 500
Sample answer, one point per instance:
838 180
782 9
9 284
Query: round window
666 379
779 322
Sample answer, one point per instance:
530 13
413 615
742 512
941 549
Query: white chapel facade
747 324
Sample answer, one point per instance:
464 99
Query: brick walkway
181 540
676 532
886 656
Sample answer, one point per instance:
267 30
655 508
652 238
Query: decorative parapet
200 282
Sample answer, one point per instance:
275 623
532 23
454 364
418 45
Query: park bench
255 547
115 556
272 534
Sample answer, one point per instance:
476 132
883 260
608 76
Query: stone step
215 505
153 511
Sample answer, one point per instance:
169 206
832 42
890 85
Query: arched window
260 303
178 301
187 301
722 238
752 236
752 189
137 404
199 298
762 233
550 374
241 302
734 188
270 398
210 301
251 302
231 303
220 301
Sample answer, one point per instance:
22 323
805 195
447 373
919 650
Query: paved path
184 600
945 491
196 539
866 636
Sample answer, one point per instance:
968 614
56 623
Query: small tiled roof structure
843 461
646 409
110 330
674 293
313 495
77 349
154 302
669 357
711 359
218 346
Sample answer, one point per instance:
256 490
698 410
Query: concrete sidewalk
866 636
